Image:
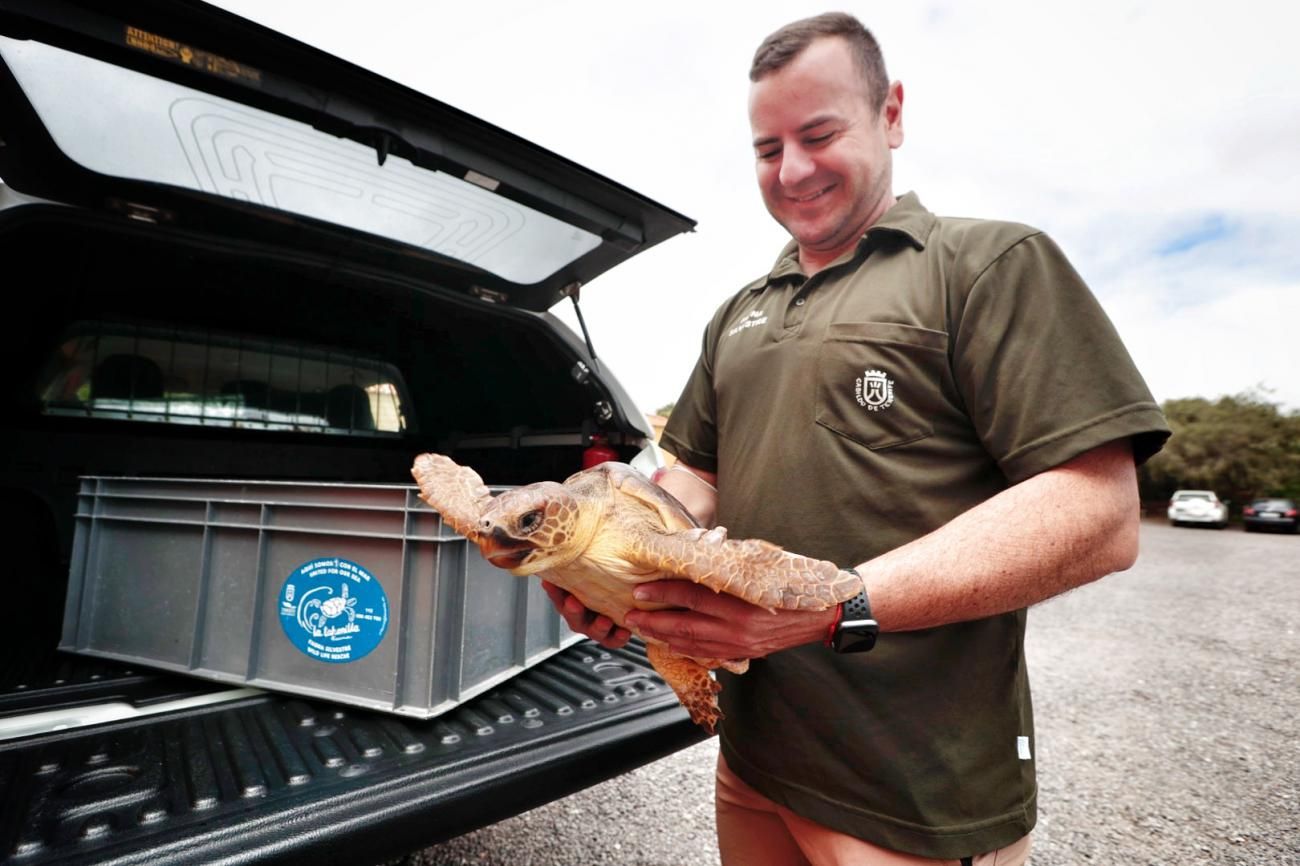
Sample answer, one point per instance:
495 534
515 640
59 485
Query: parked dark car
228 255
1271 515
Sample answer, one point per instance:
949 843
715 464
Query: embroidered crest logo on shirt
875 390
753 320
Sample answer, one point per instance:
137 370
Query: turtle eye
531 520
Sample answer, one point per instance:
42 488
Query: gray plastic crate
349 592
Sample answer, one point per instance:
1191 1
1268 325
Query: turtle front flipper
454 491
697 691
757 571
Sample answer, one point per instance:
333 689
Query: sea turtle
608 528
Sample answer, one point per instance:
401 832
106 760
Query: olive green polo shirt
848 413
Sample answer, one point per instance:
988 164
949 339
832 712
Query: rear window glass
124 123
220 380
1183 496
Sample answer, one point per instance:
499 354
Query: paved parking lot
1166 700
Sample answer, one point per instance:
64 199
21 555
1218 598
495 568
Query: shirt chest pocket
880 383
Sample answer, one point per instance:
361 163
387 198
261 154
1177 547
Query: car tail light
1248 510
1291 512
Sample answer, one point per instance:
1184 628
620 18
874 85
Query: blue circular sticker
333 610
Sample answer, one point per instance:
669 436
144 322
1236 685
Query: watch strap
857 607
854 629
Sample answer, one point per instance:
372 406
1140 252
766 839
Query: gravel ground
1166 702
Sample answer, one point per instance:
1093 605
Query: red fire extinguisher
598 452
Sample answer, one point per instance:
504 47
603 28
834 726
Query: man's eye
821 139
766 155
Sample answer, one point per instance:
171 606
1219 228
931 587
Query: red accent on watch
839 617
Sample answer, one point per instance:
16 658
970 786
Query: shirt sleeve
1042 370
691 434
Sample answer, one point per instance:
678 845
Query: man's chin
823 245
812 228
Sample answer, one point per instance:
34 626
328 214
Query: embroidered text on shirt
753 320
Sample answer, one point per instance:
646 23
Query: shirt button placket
798 307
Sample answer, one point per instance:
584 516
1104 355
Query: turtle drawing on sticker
314 612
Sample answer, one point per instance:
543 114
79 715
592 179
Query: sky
1158 143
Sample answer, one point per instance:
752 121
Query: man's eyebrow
811 124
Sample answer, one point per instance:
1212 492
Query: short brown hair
786 44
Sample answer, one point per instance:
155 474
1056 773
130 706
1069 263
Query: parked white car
1197 506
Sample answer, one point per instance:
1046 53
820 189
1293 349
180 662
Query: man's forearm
694 488
1049 534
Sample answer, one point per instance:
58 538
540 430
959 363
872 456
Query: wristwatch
855 631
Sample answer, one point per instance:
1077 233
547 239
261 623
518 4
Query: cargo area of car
176 769
475 370
487 385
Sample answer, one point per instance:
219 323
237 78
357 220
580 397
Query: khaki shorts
754 831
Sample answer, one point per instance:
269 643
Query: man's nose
796 165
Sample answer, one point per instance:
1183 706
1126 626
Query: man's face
823 156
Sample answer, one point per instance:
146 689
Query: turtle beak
504 551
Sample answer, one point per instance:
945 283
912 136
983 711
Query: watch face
856 636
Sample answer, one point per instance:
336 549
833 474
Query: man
940 404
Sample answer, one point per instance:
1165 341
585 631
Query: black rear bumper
274 779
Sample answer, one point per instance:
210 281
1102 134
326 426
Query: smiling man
918 397
823 133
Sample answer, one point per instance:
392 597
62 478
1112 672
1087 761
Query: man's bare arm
1053 532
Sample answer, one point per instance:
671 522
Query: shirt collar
908 219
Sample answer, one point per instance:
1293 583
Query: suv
1197 506
231 256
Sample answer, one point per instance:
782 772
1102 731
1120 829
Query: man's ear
893 114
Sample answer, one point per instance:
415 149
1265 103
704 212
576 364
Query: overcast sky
1158 142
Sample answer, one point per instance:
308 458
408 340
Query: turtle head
532 528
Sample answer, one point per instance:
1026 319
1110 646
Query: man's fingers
691 634
555 594
680 628
675 592
705 625
574 612
580 619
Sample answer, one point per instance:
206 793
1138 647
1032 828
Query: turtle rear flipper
697 691
454 491
757 571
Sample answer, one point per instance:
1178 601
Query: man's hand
596 626
705 624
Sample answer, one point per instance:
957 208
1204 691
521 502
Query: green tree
666 409
1241 447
